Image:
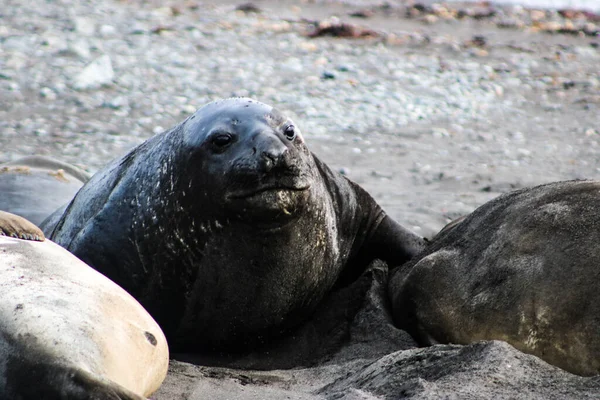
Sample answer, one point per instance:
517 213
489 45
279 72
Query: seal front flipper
365 232
393 243
18 227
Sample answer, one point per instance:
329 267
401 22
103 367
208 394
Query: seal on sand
227 228
34 187
67 331
523 268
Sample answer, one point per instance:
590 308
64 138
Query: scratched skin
227 228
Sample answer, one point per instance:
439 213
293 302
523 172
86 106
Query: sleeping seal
226 228
34 187
523 268
66 331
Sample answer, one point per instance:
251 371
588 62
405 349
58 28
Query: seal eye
222 140
290 132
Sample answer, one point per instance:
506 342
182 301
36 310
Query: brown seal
523 268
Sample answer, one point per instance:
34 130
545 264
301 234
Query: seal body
66 331
226 228
34 187
523 268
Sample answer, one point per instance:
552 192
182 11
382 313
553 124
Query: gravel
425 116
432 114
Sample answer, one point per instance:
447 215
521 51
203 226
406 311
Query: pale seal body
523 268
226 228
66 331
34 187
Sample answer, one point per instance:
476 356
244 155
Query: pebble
84 26
107 30
48 93
144 68
96 74
81 48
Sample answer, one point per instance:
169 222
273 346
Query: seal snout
273 153
269 159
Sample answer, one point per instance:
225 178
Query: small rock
80 48
479 41
328 75
189 109
430 19
499 90
96 74
248 8
440 133
116 103
6 75
107 30
293 64
552 107
334 27
47 93
55 43
308 47
84 26
364 13
163 12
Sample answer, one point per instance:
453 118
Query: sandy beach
433 109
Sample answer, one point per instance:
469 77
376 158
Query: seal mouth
267 207
248 194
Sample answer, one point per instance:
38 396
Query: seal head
251 155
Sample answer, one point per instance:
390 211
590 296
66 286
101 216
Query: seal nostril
268 160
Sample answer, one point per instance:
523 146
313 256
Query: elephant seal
34 187
523 268
66 331
227 229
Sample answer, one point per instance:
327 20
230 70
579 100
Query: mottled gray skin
34 187
523 268
227 229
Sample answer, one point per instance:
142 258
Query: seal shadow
353 321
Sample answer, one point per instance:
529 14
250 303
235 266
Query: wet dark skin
227 228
